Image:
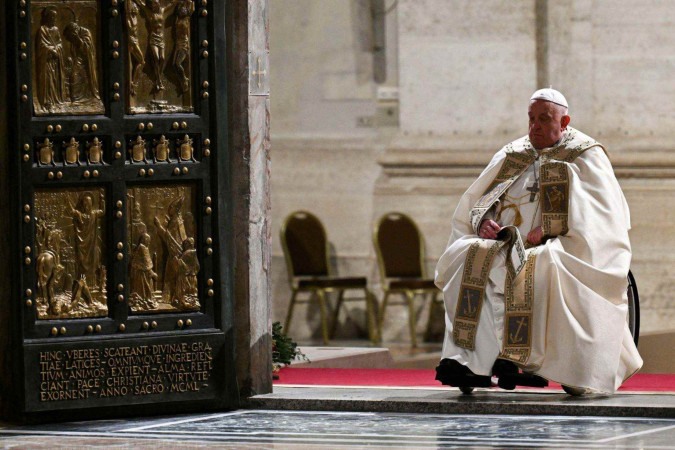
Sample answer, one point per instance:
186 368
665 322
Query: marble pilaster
250 144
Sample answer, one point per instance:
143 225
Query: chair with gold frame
399 245
305 246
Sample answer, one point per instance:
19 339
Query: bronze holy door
122 301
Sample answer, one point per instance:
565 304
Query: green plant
284 349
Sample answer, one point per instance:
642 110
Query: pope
534 274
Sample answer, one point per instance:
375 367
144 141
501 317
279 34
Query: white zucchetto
550 95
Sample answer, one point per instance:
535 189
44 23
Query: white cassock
575 330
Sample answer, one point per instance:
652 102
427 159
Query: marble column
248 78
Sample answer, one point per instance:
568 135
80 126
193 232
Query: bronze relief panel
163 263
66 63
169 148
70 242
70 151
159 59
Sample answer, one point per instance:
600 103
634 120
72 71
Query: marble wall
324 158
464 72
465 67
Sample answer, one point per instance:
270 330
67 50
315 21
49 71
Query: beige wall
464 70
465 67
323 159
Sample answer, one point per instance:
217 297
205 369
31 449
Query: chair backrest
399 246
303 239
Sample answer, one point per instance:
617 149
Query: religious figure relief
181 53
71 277
46 153
95 152
142 275
164 263
185 290
138 226
83 81
186 152
50 69
71 154
161 150
85 223
136 58
66 66
48 263
138 151
164 30
156 40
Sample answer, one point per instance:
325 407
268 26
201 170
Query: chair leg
412 318
380 318
336 313
289 315
324 319
371 317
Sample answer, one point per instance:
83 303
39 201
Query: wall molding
445 157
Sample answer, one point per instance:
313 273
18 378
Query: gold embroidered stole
470 301
513 167
519 285
518 299
475 277
554 192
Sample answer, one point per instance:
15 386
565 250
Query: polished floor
267 429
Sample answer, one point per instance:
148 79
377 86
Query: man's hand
535 236
489 229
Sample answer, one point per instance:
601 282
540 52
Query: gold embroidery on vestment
470 301
513 167
554 192
554 198
519 300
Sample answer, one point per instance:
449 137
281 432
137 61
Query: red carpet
425 378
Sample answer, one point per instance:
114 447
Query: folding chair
400 252
303 239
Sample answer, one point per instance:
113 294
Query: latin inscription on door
113 371
124 371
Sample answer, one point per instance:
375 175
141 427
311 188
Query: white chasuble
563 316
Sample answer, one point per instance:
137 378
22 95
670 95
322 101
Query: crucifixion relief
157 29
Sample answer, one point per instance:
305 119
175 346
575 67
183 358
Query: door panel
66 62
159 74
118 158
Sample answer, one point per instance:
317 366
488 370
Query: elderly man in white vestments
534 275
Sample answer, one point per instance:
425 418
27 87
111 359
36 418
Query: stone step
447 400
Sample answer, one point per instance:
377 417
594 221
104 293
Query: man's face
87 204
51 18
547 123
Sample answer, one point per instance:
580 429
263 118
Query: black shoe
509 381
452 373
504 367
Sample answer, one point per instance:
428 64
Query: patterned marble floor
265 429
